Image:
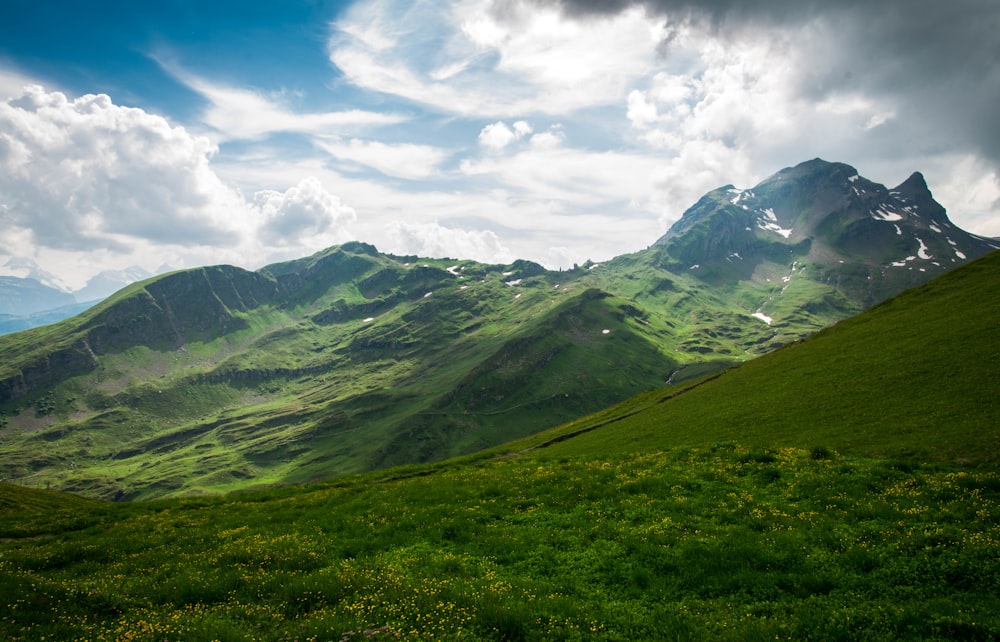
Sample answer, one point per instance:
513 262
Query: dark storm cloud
937 63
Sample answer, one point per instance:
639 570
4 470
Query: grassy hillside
688 514
215 379
915 377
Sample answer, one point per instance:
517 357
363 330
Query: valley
216 379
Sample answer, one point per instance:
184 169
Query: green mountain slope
914 377
691 513
218 378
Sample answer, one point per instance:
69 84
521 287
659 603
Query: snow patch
922 252
770 223
853 178
514 282
595 265
899 232
368 320
763 317
934 227
507 273
959 255
694 267
605 331
428 294
881 214
454 270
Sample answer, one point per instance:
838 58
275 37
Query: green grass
843 488
707 543
912 378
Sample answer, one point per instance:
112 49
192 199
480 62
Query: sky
153 136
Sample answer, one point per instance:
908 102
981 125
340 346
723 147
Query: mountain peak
825 215
915 185
815 167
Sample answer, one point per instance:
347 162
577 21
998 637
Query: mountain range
219 378
39 299
841 488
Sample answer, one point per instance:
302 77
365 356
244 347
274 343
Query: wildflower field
711 543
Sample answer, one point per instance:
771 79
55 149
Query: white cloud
86 173
434 240
522 60
12 84
498 135
401 160
969 185
548 139
568 178
302 215
87 185
242 114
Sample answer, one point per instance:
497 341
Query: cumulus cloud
434 240
86 184
498 135
301 214
86 173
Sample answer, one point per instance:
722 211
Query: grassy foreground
846 488
692 543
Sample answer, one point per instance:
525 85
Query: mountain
869 241
842 488
218 378
22 297
15 323
911 379
106 283
26 302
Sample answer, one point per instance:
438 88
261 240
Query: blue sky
173 134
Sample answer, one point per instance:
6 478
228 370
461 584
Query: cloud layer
553 130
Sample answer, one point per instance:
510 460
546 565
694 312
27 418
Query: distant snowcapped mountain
108 282
874 241
26 296
25 268
27 301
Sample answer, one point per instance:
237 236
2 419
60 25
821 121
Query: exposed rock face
873 240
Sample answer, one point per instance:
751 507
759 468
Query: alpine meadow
778 421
